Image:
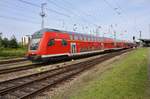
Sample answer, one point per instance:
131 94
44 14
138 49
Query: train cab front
34 57
33 49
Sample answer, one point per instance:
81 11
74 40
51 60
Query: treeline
8 43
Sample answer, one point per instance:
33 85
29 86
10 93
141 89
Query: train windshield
35 40
34 44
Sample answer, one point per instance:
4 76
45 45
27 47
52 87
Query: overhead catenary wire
66 9
13 5
82 13
113 8
51 10
58 6
18 19
17 13
73 13
134 19
118 10
78 15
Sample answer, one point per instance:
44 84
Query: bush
9 52
6 43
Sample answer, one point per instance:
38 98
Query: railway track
15 63
14 67
28 86
19 68
8 61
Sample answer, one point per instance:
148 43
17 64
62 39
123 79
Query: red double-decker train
51 43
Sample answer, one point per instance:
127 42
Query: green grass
12 53
126 80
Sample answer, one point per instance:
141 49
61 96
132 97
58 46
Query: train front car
47 45
34 50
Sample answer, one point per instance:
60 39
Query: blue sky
19 19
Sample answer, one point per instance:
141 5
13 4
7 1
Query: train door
73 48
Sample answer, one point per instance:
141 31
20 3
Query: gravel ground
9 59
60 91
12 65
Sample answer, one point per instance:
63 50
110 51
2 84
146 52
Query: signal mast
42 14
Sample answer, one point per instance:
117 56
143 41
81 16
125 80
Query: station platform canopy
145 42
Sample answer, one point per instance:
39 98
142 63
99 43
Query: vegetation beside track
11 48
127 79
6 53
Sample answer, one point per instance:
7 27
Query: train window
51 42
96 39
88 38
75 37
93 39
79 37
84 38
99 39
34 44
71 37
64 42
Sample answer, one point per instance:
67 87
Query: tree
13 42
0 40
5 42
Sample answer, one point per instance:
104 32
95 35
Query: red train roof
105 39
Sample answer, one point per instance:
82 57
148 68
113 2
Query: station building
25 40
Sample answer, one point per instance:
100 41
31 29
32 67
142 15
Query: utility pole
115 37
98 30
83 29
140 38
149 30
42 14
140 34
1 34
103 40
63 24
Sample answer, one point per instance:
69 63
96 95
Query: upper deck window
64 42
51 42
71 37
76 37
80 37
84 38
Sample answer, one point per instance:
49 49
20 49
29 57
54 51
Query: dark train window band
51 42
